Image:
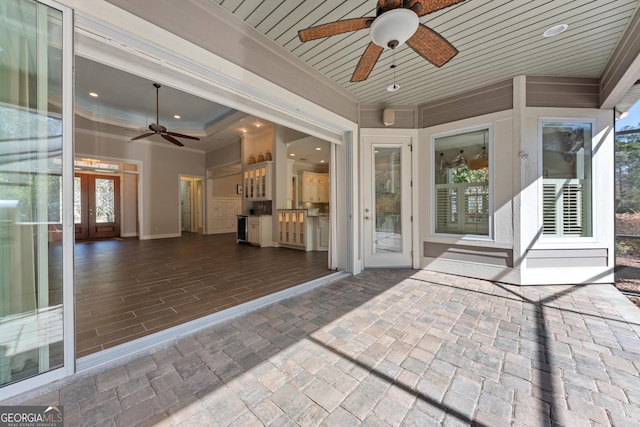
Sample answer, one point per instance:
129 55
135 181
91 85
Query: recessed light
177 116
555 30
95 95
258 124
318 149
321 161
243 130
292 155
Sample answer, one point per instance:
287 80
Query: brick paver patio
388 347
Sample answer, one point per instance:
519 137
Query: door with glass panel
387 202
35 176
96 206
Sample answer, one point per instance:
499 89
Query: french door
96 206
387 202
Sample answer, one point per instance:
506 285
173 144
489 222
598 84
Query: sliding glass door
34 41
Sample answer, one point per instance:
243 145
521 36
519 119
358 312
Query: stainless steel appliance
243 229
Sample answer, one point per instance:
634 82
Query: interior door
185 204
96 206
387 202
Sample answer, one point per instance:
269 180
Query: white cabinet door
322 234
259 231
315 187
294 229
257 181
254 232
222 214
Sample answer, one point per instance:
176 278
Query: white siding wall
502 185
539 255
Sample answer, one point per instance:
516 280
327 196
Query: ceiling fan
396 22
157 129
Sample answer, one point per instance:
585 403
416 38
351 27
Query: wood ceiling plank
496 39
603 26
230 5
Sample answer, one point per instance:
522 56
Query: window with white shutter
461 183
566 183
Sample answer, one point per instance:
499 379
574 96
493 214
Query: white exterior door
387 202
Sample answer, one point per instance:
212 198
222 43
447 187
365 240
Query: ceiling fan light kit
396 22
394 27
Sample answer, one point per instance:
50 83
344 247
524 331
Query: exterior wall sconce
388 117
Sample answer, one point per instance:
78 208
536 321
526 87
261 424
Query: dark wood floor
129 288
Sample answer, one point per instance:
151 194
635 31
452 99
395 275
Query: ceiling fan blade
390 4
432 46
172 140
180 135
144 135
424 7
367 62
333 28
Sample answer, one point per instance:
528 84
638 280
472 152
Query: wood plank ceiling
497 40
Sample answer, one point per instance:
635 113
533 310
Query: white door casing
387 201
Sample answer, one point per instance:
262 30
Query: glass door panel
387 202
31 169
97 206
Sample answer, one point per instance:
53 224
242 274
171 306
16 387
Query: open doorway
191 204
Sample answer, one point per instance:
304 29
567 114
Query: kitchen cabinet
315 187
256 181
294 230
259 230
222 214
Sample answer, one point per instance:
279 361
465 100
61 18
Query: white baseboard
158 236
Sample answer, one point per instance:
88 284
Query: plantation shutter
562 214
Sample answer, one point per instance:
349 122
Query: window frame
434 167
546 239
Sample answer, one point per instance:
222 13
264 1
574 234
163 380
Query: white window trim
490 237
561 242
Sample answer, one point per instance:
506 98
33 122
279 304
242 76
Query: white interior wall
230 154
225 186
129 207
161 166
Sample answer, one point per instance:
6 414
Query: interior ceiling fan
396 22
157 129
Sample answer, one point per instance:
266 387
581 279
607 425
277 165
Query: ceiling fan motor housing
394 27
155 127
